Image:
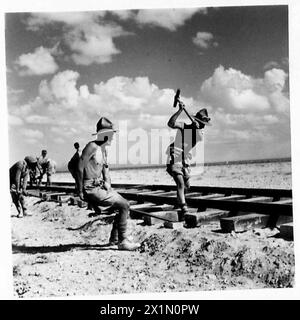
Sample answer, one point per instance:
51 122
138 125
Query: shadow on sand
61 248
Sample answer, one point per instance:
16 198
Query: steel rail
146 193
227 191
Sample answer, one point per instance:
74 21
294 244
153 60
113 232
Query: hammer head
176 98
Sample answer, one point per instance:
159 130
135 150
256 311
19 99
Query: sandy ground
51 260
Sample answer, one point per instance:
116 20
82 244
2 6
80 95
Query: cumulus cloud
35 21
14 120
235 91
87 35
271 65
242 108
204 40
96 46
39 62
73 110
166 18
61 88
246 109
275 79
37 119
124 14
31 133
90 36
23 110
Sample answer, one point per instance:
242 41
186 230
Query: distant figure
73 164
95 186
45 166
179 152
19 175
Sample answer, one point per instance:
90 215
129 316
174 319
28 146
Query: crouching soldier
45 166
95 186
179 152
19 175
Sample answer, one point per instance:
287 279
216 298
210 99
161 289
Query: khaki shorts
179 169
101 197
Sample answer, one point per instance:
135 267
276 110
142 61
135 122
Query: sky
65 70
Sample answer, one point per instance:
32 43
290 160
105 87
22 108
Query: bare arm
25 181
172 123
105 172
18 179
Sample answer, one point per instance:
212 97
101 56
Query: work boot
113 241
26 213
114 234
127 245
183 211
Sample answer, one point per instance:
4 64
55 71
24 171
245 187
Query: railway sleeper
196 219
287 231
247 221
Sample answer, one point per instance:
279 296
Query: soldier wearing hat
95 186
179 152
19 175
45 166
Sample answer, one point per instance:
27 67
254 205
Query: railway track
236 209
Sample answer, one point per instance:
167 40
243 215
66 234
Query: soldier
73 163
179 152
42 165
19 175
95 186
45 166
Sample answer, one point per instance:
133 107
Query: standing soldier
42 165
179 152
73 163
19 175
50 170
95 186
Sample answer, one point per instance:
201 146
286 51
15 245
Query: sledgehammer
176 100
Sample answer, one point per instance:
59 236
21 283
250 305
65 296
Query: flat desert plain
50 260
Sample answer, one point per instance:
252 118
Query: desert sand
49 260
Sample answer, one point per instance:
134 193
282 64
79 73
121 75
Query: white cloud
74 111
86 34
124 14
167 18
37 20
271 65
37 119
39 62
204 40
32 133
61 88
90 37
14 120
232 90
244 108
275 79
96 46
22 110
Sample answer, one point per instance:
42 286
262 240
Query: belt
96 182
